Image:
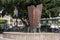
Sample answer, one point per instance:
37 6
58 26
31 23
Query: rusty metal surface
34 14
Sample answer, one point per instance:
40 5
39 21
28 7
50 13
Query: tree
49 6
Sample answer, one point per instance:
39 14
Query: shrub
2 21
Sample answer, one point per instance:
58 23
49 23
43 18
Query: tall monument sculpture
34 14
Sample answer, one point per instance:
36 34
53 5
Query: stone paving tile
5 39
1 38
32 36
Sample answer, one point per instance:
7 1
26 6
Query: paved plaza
1 38
31 36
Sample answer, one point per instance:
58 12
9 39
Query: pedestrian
15 13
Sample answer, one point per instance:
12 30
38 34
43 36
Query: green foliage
2 21
49 6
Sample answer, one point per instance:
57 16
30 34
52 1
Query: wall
31 36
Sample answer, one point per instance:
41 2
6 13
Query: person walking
15 15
